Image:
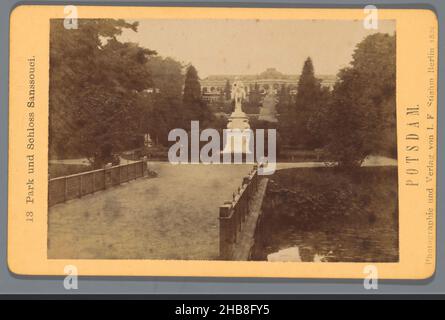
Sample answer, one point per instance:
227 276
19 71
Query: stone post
225 232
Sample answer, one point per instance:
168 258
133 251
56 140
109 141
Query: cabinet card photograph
222 142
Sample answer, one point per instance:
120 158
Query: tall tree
362 117
165 112
308 85
283 99
194 107
309 100
227 90
94 82
254 101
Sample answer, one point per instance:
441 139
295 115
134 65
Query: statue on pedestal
238 124
238 119
238 94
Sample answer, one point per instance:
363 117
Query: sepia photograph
223 139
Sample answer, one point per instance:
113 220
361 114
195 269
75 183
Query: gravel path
173 216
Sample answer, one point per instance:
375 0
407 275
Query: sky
252 46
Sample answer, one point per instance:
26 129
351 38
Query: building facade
213 87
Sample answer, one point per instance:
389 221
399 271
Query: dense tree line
106 94
300 115
361 118
93 81
356 119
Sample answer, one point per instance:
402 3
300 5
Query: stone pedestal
238 134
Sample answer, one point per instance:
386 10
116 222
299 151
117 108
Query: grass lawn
172 216
348 216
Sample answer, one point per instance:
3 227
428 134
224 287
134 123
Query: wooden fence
65 188
233 213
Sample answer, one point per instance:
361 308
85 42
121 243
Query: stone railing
233 214
65 188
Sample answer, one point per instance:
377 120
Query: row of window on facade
210 94
262 88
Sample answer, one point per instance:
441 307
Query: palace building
213 86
